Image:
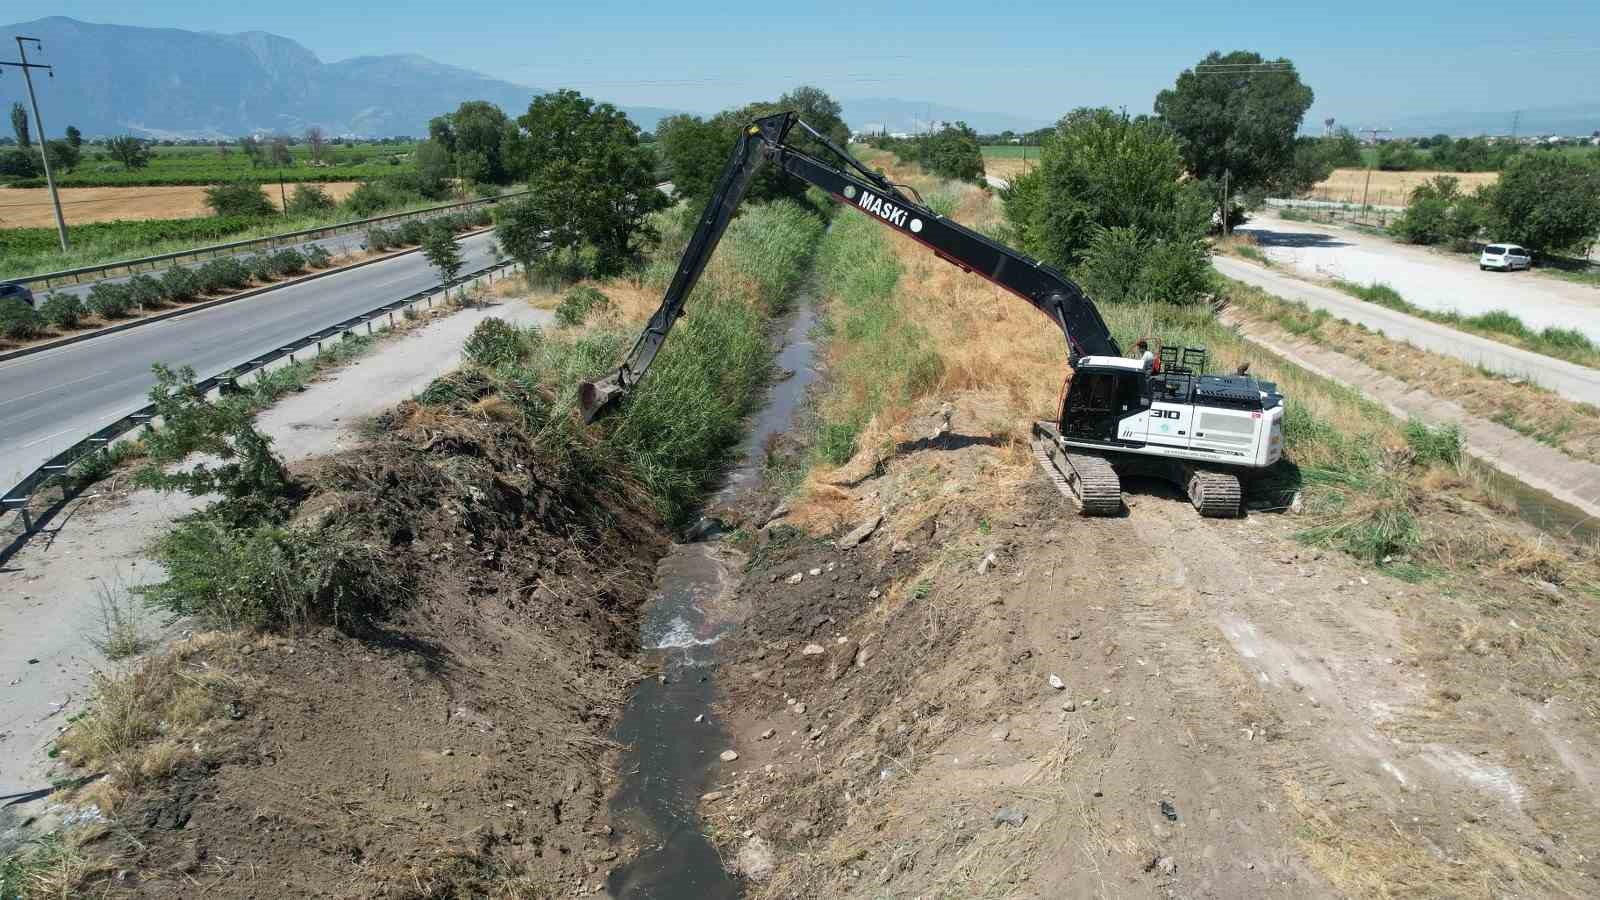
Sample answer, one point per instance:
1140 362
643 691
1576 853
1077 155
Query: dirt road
30 207
1429 279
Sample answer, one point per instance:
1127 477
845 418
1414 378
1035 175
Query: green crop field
1010 151
204 165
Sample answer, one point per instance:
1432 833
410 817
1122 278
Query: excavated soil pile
455 746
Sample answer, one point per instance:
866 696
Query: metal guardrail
55 470
272 241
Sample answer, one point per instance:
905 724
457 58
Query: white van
1505 257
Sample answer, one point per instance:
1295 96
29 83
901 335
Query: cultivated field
1007 160
204 165
1388 188
30 207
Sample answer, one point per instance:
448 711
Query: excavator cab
1104 391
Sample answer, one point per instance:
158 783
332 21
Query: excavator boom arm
764 140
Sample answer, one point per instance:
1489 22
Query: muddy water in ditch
674 736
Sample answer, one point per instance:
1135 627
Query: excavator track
1217 495
1088 481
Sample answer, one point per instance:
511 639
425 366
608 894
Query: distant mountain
880 113
1566 119
170 83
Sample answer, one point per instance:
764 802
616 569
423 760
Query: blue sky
1369 62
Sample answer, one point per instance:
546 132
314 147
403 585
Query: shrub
578 303
110 301
146 291
19 321
261 267
289 261
180 284
224 274
309 199
61 310
318 257
494 342
379 239
411 232
240 198
1548 201
1122 265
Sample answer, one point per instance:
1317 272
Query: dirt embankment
1391 693
456 747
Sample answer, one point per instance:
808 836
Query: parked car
13 291
1505 257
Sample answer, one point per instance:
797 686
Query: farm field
1388 188
30 207
204 165
1007 160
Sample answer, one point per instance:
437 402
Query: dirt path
30 207
1240 715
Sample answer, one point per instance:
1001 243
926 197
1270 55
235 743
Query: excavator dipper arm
765 140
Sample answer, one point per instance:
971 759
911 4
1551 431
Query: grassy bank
1569 344
205 166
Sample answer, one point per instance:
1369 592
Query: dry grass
143 723
122 632
30 207
1388 188
1009 167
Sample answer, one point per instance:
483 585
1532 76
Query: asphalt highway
52 399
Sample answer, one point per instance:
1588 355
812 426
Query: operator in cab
1146 358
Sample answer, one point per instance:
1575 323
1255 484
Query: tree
1239 122
953 152
1397 156
481 142
63 156
519 228
316 140
130 151
252 149
18 163
594 181
240 198
1109 200
74 136
1311 165
442 251
19 124
432 161
1342 149
278 151
695 152
1427 217
1548 201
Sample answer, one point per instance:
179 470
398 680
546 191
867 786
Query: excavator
1119 417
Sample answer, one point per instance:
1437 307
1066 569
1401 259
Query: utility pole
38 124
1372 135
1226 205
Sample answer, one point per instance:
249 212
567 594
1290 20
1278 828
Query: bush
1549 201
180 284
578 303
410 232
223 274
61 310
379 239
494 342
318 257
110 301
19 321
261 267
289 261
309 199
145 291
240 198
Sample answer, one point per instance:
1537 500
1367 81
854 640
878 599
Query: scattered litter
700 718
1057 683
1170 811
796 578
765 735
813 650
